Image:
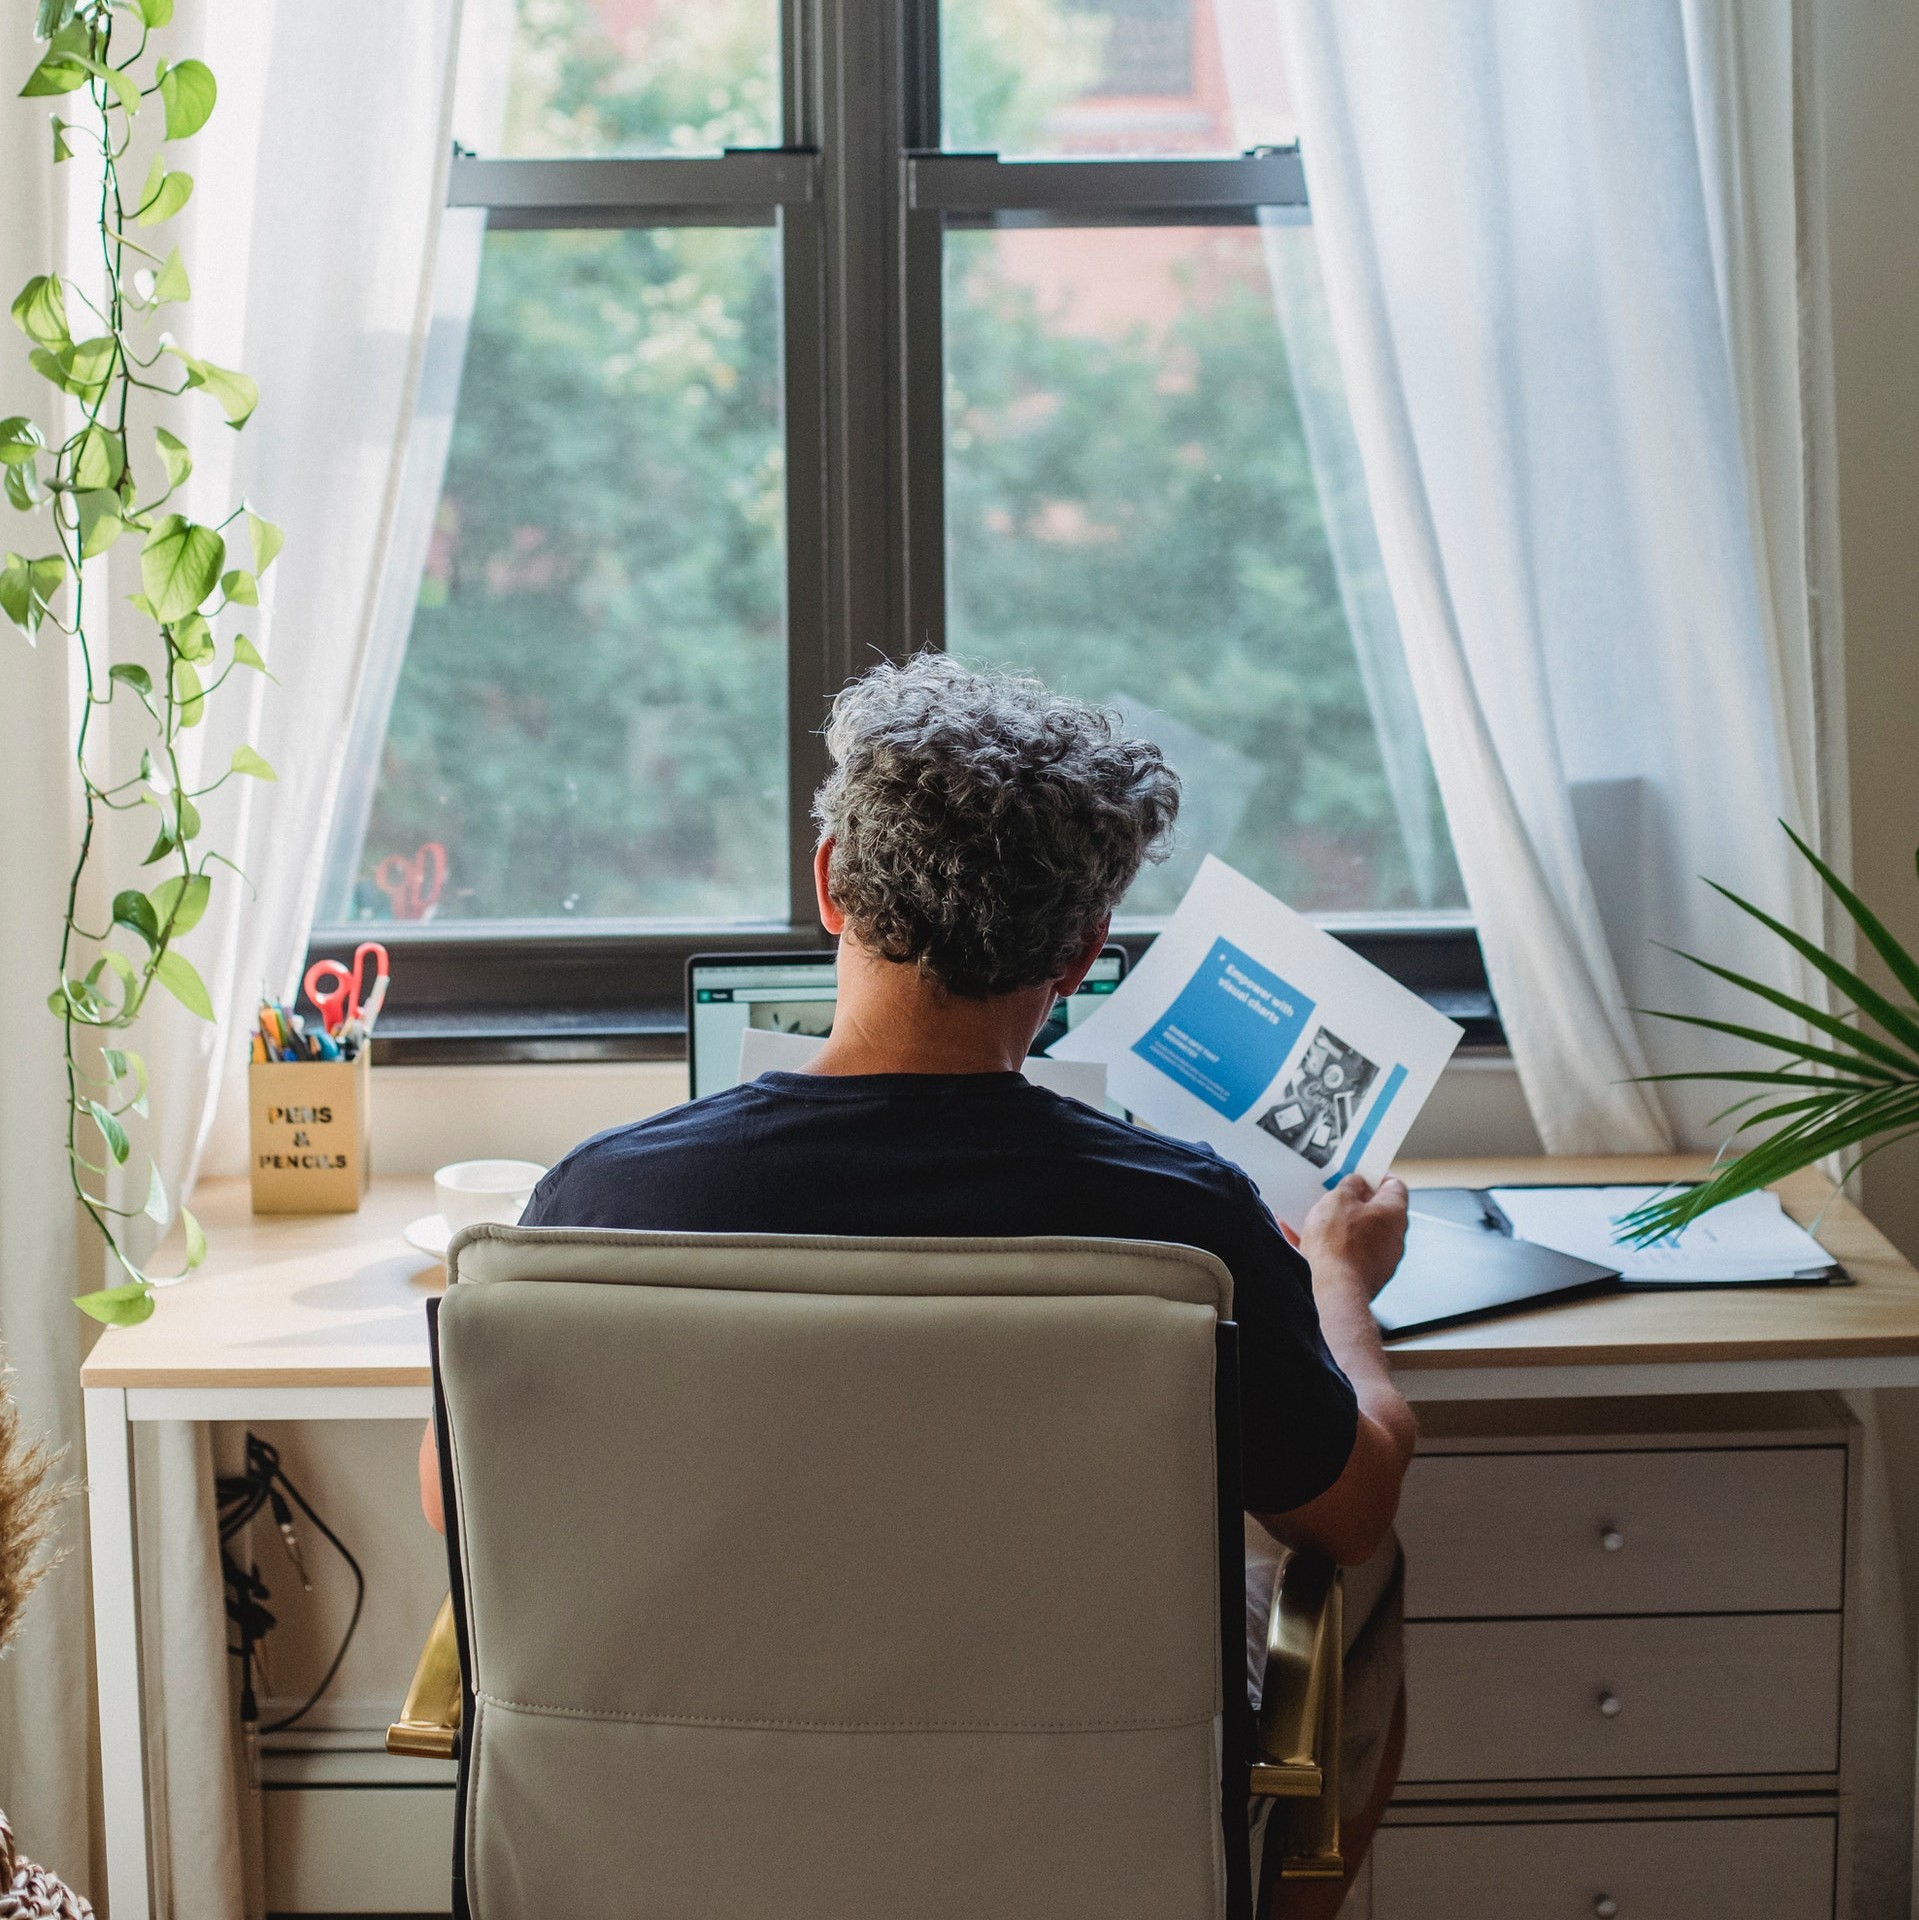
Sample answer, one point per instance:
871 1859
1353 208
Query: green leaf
1899 962
158 777
122 1306
196 1240
189 93
157 1209
49 366
23 488
246 761
100 522
87 365
1900 1022
133 676
186 819
173 456
40 311
1827 1023
189 695
111 1131
179 903
166 842
180 566
50 17
267 541
192 638
170 284
246 654
236 393
175 972
61 151
164 194
20 440
63 67
134 911
120 1063
27 588
240 587
156 13
99 458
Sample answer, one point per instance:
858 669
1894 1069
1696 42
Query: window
777 334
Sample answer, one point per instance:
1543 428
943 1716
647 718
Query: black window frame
862 195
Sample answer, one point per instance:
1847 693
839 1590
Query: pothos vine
90 487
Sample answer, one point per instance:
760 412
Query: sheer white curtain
1573 258
310 240
1556 335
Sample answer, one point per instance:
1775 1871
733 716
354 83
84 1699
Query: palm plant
1859 1093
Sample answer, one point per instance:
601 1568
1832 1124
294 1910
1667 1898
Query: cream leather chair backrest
833 1578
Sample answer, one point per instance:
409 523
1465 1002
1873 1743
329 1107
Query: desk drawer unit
1633 1869
1622 1698
1625 1654
1759 1530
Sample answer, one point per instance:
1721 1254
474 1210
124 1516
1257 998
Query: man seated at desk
976 834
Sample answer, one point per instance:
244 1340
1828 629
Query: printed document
1739 1243
1247 1027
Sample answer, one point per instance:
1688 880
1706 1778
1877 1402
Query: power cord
240 1497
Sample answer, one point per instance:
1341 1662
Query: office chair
859 1577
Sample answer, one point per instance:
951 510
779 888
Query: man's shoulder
690 1124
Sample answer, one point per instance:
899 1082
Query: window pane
1111 76
643 76
1132 514
590 719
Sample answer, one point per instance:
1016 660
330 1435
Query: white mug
476 1192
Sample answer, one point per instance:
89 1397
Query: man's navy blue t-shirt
981 1154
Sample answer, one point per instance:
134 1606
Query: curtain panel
310 240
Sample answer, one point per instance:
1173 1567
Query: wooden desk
321 1318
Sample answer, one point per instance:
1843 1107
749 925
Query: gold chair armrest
429 1724
1296 1744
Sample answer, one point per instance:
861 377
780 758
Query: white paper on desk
1247 1027
1737 1243
763 1051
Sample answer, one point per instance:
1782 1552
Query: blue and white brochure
1247 1027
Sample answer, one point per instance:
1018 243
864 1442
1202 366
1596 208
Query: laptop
726 993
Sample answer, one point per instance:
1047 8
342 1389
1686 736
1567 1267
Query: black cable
240 1498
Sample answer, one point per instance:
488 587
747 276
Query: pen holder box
308 1123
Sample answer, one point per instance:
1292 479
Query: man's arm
1353 1239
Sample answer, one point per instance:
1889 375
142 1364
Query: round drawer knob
1605 1906
1611 1539
1609 1704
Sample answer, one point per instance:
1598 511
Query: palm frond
1782 1042
1867 1098
1892 1017
1899 963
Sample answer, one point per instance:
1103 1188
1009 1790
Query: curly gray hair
983 826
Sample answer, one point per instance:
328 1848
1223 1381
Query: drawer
1757 1530
1527 1699
1636 1869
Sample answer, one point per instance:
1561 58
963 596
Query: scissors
413 886
341 993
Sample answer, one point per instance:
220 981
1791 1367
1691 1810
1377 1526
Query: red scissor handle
333 990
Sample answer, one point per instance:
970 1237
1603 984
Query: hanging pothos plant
99 342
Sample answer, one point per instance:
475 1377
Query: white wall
1868 55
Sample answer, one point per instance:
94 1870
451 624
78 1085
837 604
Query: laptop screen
795 993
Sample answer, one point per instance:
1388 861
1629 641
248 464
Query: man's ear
831 918
1082 962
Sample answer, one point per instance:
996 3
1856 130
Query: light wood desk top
337 1299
